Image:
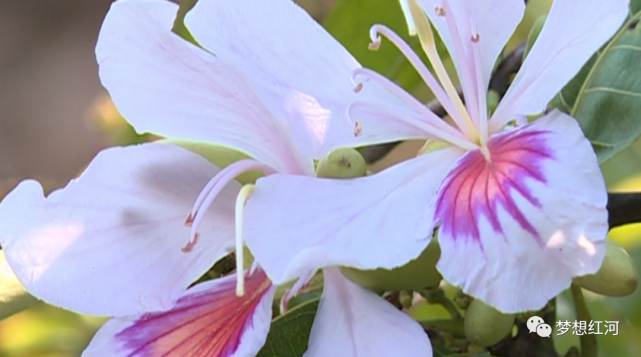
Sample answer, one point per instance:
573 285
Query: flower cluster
519 208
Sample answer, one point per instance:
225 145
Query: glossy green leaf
289 333
635 6
350 21
605 96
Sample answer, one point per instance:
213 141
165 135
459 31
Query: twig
589 346
624 208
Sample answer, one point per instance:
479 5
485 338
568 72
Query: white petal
513 234
571 35
297 68
352 321
165 85
208 320
110 242
297 224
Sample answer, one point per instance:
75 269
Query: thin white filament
242 197
422 70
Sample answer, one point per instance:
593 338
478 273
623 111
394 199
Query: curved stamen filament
463 59
211 191
410 118
242 197
480 85
411 25
446 99
428 43
404 96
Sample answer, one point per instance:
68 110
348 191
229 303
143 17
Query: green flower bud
342 163
617 276
221 156
417 274
485 326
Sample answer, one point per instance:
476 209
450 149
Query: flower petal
302 74
569 38
352 321
208 320
110 242
165 85
297 224
514 232
493 20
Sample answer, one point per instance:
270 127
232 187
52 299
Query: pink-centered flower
276 90
130 236
521 208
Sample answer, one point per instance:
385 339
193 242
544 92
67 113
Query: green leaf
289 333
349 22
179 23
605 96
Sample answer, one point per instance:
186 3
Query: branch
624 208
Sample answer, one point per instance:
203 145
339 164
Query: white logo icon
537 325
544 330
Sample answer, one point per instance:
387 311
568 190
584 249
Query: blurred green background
54 117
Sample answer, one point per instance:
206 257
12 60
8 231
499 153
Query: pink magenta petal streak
210 323
477 187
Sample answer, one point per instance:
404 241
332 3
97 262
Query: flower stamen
242 197
457 112
213 188
428 43
411 118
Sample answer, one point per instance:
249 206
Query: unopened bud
618 276
221 156
342 163
419 273
485 325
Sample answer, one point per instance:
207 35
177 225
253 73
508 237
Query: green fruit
221 156
342 163
485 326
617 276
417 274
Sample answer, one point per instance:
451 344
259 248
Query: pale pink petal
513 233
494 21
165 85
208 320
571 35
110 242
296 224
352 321
302 74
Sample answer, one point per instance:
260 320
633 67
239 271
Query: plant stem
589 346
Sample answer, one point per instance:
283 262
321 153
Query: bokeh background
55 116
